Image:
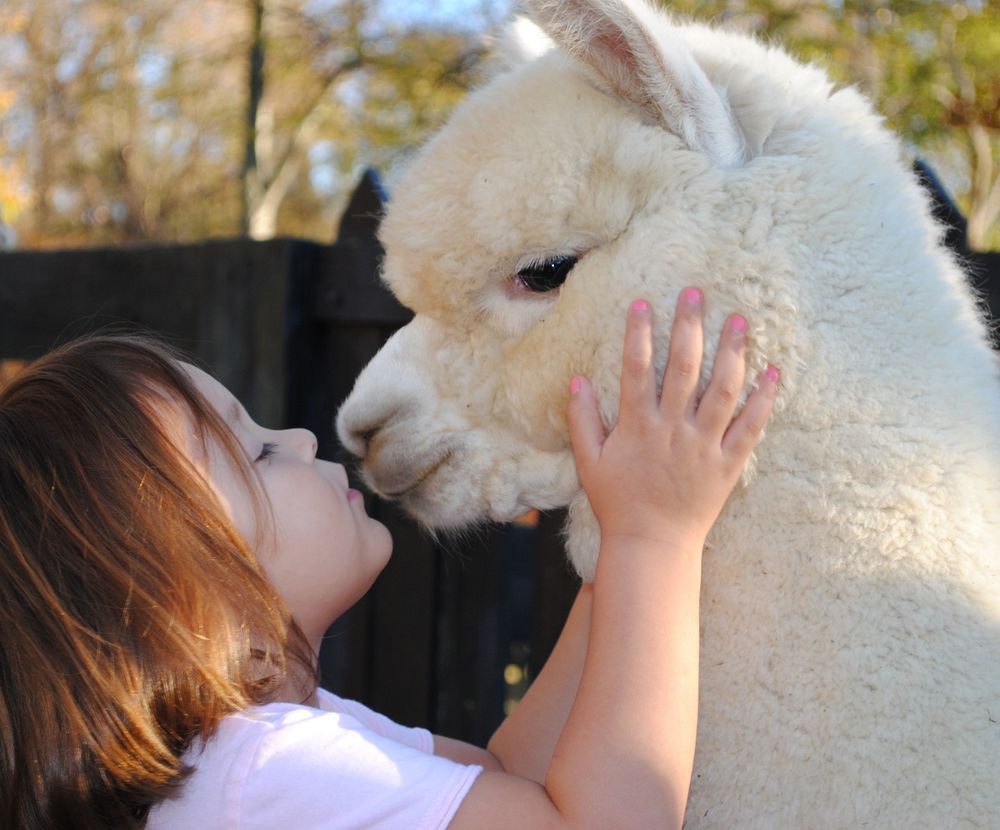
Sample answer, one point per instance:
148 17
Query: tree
109 155
320 80
12 192
182 119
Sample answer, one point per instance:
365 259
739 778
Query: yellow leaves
13 24
13 194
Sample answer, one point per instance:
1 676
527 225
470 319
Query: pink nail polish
773 374
574 385
692 296
640 305
738 324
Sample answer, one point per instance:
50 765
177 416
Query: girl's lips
353 494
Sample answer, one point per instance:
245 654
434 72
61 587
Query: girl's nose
303 441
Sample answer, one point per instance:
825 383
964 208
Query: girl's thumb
586 432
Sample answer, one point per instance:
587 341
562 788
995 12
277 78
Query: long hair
133 616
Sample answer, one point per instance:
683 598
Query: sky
470 14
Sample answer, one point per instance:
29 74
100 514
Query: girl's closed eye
267 450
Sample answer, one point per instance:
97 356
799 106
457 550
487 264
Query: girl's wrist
656 535
645 557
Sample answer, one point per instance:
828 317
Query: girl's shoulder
324 766
330 715
296 725
354 713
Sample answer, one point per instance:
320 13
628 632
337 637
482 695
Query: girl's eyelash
266 451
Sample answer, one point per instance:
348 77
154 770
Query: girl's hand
657 483
668 466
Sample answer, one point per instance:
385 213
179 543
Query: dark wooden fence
451 632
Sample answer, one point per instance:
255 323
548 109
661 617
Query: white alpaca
851 601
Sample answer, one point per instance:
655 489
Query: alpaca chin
467 487
583 537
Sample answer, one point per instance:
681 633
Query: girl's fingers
638 384
718 404
586 432
680 380
744 432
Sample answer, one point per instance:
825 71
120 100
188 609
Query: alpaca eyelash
266 451
542 277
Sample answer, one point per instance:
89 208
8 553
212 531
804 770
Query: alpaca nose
358 436
364 438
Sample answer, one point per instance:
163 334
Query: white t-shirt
339 767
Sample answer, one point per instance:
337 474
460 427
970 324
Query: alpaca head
616 156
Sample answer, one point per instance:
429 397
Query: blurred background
207 169
178 120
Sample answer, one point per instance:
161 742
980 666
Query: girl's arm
527 737
656 484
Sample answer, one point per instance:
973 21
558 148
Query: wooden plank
556 586
347 286
471 651
364 209
403 625
983 270
222 302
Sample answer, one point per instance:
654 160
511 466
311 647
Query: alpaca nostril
362 438
360 430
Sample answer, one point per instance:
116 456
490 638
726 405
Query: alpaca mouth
417 481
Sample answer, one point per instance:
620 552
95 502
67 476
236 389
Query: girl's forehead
183 425
178 423
201 443
221 399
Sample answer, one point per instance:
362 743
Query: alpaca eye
548 275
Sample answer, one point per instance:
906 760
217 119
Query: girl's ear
657 72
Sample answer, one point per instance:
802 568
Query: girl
168 568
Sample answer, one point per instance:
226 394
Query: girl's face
322 552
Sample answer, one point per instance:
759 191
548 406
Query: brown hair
133 616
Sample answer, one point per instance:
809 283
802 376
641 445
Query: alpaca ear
655 71
519 42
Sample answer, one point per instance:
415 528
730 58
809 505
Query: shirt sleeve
334 773
416 737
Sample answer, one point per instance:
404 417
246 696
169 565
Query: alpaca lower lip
418 480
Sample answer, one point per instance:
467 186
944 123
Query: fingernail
640 305
773 374
738 324
575 384
692 296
